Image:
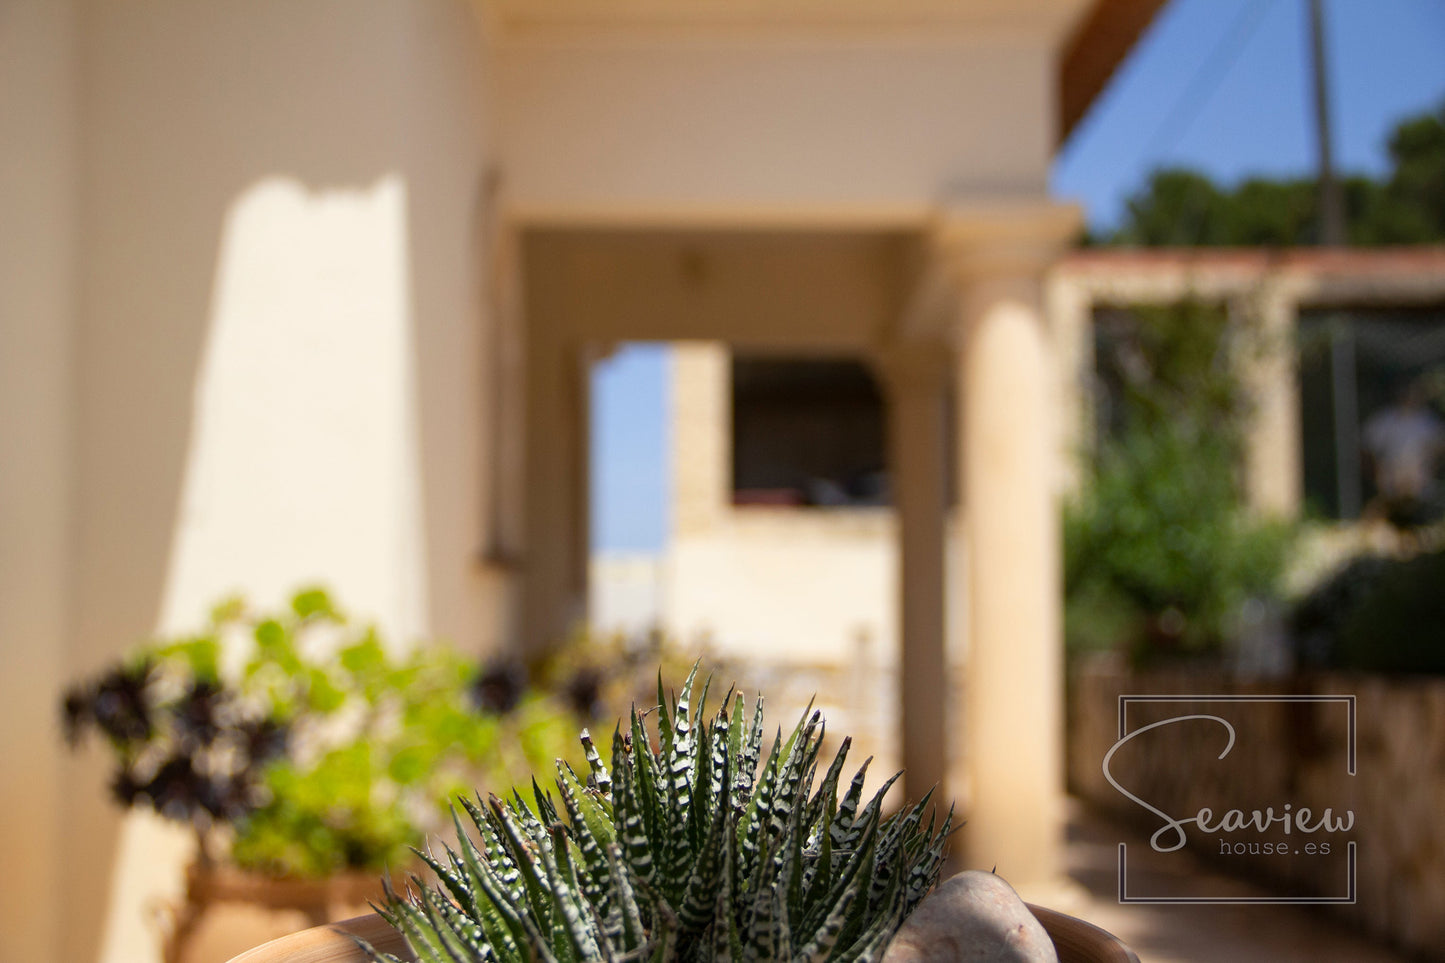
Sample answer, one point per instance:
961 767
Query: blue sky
629 450
1221 86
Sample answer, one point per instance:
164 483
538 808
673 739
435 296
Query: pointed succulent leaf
634 931
600 776
827 795
687 851
697 904
533 881
570 917
848 809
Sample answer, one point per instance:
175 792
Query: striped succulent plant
686 850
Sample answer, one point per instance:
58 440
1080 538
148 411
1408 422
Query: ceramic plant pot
1079 942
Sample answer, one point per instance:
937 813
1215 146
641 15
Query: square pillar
554 562
915 380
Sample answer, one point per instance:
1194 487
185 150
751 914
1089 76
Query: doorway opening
630 493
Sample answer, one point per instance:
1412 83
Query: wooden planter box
1075 941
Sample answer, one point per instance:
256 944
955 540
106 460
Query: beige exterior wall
592 119
282 204
262 363
788 586
786 287
38 157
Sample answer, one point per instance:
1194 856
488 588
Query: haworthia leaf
600 777
689 852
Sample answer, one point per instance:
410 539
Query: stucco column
915 379
1011 472
554 580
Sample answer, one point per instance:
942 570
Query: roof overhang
1092 36
1037 16
1095 49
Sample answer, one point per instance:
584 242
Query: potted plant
306 756
690 846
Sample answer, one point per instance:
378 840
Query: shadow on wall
273 252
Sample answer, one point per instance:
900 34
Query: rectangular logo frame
1350 894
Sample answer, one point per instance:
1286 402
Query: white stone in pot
974 917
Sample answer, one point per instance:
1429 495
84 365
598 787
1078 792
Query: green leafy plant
686 849
298 744
1160 550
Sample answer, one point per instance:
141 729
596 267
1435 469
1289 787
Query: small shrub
1159 552
1376 615
295 743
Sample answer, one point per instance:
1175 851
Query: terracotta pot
1075 941
227 909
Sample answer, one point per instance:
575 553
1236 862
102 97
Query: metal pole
1332 208
1347 418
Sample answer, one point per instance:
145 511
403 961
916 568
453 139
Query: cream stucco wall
787 587
37 300
657 118
314 170
244 342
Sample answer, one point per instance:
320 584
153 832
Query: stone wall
1292 752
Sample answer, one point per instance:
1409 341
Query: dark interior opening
807 432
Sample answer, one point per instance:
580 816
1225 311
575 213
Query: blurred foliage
1159 550
602 675
1182 208
298 744
1375 614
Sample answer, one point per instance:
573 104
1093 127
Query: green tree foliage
1409 208
1182 208
1160 551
